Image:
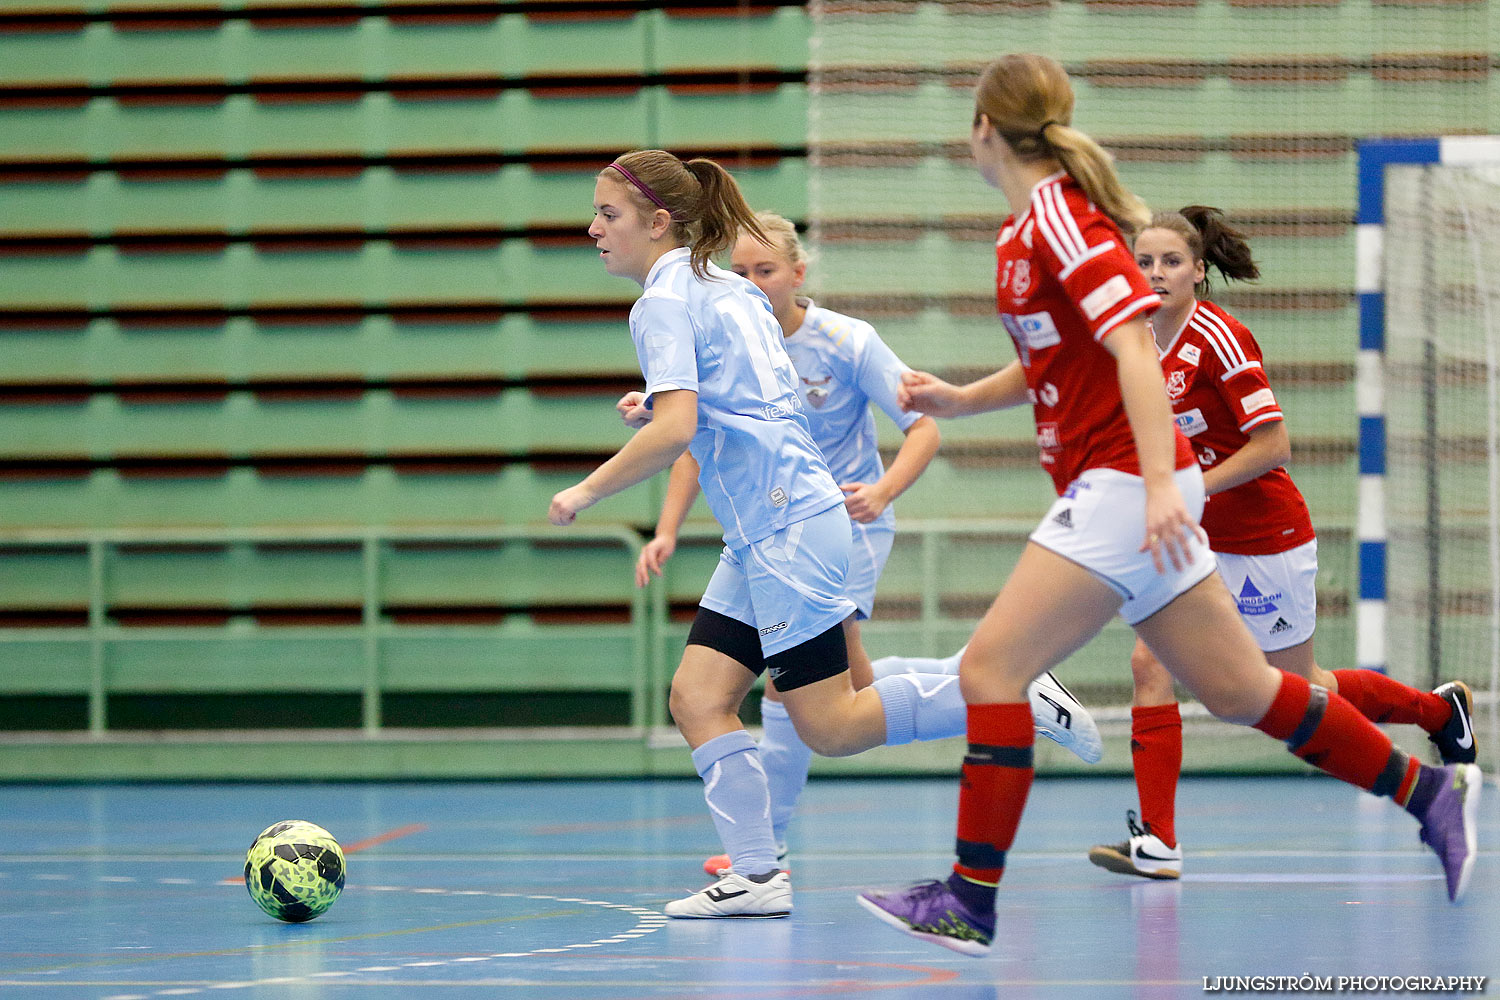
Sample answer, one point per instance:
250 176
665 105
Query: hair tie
1041 133
645 190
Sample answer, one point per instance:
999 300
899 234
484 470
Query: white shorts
1277 594
789 587
867 556
1099 523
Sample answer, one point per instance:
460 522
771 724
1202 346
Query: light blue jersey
758 465
843 366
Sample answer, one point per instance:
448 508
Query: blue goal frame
1374 156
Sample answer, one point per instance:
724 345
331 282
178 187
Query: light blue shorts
1100 522
867 556
789 586
1277 594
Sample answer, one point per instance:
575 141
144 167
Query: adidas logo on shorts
1282 625
1064 518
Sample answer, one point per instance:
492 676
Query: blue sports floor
555 890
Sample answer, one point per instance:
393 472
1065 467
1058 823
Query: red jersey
1064 279
1219 393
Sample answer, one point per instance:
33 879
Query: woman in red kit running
1122 537
1257 525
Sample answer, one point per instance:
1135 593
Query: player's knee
831 734
824 740
1153 684
688 703
1237 704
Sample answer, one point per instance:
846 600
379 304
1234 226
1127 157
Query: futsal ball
294 870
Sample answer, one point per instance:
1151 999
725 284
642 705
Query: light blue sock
921 707
889 666
785 758
734 786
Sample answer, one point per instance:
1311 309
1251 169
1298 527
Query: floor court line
1284 876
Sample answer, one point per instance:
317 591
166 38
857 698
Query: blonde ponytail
1029 100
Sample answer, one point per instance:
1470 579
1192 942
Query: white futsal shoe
1144 854
1060 717
736 895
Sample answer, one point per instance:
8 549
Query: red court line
360 845
381 838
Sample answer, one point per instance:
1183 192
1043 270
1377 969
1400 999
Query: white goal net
1442 404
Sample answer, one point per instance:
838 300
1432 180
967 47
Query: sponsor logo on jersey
1047 436
1176 384
1064 518
1189 353
775 411
1048 396
1258 400
1111 292
1282 625
779 626
1252 602
1191 422
778 497
1035 330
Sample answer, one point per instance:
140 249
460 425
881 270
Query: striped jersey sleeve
1240 375
1093 265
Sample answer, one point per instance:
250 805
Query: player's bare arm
1269 447
866 501
652 449
682 490
926 392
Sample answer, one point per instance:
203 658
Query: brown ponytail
1029 100
708 211
1211 239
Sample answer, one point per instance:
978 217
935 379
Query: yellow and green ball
294 870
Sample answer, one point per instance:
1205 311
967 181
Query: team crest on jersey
817 391
1020 277
1176 384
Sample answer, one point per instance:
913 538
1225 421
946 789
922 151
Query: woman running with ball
719 384
842 368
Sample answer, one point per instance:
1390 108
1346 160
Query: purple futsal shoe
930 911
1448 825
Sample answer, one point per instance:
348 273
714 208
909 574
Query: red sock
1326 731
996 778
1381 699
1156 751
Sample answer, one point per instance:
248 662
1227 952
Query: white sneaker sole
1081 736
1474 779
1112 860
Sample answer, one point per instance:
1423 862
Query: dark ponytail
1211 239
